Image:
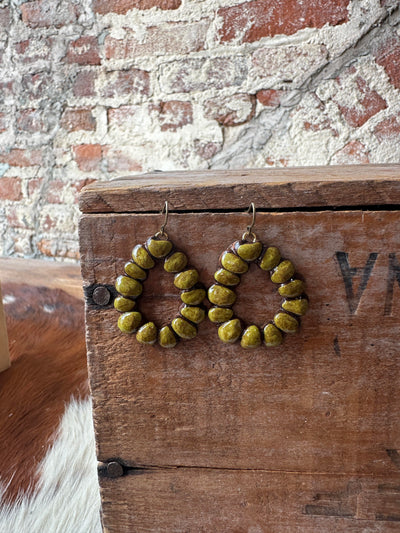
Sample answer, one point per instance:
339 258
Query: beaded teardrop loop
186 278
234 262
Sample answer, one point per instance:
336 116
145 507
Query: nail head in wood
114 469
101 295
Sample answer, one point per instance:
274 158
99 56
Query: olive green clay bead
129 322
272 335
128 287
159 247
166 337
123 305
220 295
194 314
186 279
142 257
175 262
249 251
286 323
230 331
270 259
183 328
226 278
220 314
292 289
283 272
233 263
193 297
298 307
147 334
251 337
134 271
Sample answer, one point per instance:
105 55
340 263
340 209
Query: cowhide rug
48 468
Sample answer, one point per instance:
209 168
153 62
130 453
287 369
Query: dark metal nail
101 295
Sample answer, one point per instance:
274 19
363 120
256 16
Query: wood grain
275 188
327 400
187 500
4 351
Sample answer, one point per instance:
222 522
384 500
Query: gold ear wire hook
249 231
162 232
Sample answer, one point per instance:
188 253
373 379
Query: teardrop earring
186 278
234 262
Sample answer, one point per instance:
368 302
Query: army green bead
186 279
220 295
166 337
142 257
129 322
286 323
158 247
147 334
194 314
270 259
123 305
175 262
292 289
298 306
183 328
272 335
283 272
230 331
193 297
233 263
249 251
220 314
251 337
226 278
134 271
128 286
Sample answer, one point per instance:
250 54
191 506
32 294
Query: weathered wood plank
326 401
4 351
235 189
226 501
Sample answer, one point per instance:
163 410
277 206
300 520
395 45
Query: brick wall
92 89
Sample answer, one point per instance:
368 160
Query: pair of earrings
234 262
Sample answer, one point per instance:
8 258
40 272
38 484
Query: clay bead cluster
130 287
234 262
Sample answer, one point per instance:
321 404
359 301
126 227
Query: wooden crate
207 437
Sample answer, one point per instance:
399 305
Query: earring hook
164 211
249 231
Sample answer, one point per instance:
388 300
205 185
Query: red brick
19 157
31 121
354 152
207 150
7 88
84 84
123 6
83 51
78 186
231 110
122 115
370 103
269 97
174 114
11 189
389 128
47 247
3 122
118 160
34 186
387 56
30 51
48 223
75 119
172 38
126 82
260 18
54 192
37 85
200 74
4 19
46 13
88 156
